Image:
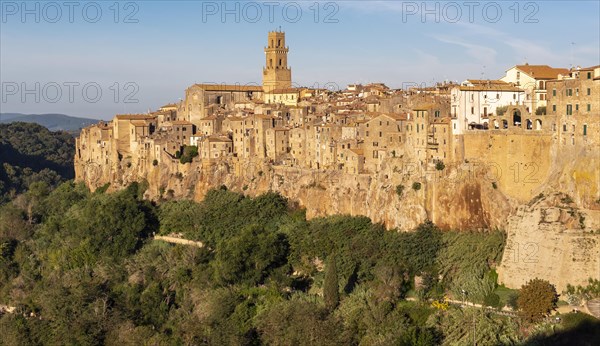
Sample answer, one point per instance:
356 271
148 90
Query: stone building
532 79
276 73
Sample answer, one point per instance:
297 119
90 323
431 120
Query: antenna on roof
572 44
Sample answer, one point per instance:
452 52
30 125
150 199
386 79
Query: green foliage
439 165
501 110
416 186
537 299
84 265
494 185
31 153
331 293
399 190
466 259
188 153
475 326
250 256
299 321
155 162
492 300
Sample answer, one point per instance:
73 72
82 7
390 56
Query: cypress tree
330 290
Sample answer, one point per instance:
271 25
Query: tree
537 299
330 287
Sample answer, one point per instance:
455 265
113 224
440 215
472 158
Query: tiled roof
542 71
228 87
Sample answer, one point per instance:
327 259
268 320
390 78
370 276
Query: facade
532 79
475 100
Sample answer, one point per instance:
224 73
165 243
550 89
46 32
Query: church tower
276 74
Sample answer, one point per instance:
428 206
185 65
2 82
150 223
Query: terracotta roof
357 151
228 87
217 139
134 116
542 71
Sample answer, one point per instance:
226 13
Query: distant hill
53 122
30 153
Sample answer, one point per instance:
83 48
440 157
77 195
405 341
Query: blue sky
170 45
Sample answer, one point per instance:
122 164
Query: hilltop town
519 153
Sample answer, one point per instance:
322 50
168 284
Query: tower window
278 43
279 62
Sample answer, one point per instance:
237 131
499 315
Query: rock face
554 240
555 236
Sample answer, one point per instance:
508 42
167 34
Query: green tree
331 292
537 299
251 256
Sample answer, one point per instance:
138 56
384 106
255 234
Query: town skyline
153 71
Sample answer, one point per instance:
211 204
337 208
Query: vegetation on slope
82 268
31 153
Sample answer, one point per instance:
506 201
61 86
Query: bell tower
276 74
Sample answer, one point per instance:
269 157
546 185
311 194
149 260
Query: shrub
416 186
566 199
155 162
440 166
494 185
399 190
512 301
501 110
189 152
537 299
492 300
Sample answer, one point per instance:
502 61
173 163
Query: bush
399 190
501 110
492 300
494 185
189 152
416 186
155 162
440 166
537 299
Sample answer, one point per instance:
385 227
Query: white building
532 79
474 100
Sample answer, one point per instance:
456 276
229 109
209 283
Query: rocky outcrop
555 236
551 239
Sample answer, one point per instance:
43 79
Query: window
472 110
577 92
585 129
589 75
554 108
564 127
589 107
518 75
589 91
569 109
577 107
553 92
380 134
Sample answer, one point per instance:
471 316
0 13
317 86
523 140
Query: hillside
30 153
90 273
54 122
